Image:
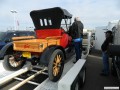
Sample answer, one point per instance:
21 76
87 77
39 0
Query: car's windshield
65 24
2 35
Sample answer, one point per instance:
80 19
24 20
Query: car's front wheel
11 63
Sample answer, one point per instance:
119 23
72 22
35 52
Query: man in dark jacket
76 32
105 55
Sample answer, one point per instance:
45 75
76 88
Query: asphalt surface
94 81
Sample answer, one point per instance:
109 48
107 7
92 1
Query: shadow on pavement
94 81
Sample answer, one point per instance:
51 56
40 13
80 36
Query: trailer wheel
113 70
56 65
75 85
11 63
82 77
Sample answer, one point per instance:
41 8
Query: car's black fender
7 49
44 58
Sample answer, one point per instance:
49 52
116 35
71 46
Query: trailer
35 77
47 53
73 77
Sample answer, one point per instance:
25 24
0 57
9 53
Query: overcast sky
92 13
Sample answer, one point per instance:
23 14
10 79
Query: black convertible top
49 18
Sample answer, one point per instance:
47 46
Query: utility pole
14 15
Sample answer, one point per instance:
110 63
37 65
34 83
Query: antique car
48 48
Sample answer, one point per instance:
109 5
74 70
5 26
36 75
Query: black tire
82 77
12 65
76 84
113 70
55 74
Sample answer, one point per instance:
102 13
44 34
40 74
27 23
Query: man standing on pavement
105 55
77 34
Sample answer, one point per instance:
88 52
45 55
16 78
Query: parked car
6 37
114 51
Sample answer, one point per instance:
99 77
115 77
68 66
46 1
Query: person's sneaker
104 74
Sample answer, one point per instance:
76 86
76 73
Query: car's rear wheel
11 63
56 65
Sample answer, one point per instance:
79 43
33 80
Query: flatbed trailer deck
46 84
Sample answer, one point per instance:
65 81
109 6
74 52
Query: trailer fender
8 48
44 59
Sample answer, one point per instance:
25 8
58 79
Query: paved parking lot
94 81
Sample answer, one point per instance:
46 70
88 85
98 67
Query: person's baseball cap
110 32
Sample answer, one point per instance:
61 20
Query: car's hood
2 43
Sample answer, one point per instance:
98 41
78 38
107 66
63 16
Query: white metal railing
66 82
11 76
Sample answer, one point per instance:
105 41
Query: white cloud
91 12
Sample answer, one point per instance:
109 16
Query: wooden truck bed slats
35 45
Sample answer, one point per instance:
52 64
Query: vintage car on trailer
48 48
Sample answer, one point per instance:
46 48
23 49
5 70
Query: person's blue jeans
78 50
105 57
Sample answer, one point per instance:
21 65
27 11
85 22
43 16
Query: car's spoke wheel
11 63
56 65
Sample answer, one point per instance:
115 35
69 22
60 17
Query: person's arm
109 43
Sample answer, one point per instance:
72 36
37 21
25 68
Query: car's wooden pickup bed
35 45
